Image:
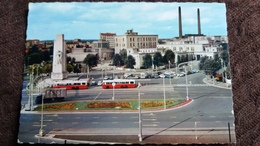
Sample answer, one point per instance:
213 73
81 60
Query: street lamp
113 84
164 92
140 116
41 131
187 97
170 72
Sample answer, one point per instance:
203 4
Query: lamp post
176 68
187 97
140 116
41 132
113 84
164 93
170 72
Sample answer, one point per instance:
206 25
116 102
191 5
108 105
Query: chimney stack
199 29
180 24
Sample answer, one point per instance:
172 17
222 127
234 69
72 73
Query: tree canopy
117 60
123 54
169 55
157 59
147 61
91 60
130 62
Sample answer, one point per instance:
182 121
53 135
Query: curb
204 80
187 102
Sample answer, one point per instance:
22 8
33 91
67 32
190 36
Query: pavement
172 136
217 84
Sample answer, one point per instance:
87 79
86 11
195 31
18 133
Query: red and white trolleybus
119 83
71 84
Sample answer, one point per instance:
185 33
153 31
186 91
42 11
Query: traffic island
113 106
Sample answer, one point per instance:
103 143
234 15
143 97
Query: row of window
69 84
131 82
138 39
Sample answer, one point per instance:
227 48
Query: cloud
60 7
88 19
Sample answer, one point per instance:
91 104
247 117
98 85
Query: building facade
109 37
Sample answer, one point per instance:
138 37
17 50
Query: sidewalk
217 84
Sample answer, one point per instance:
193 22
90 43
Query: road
211 109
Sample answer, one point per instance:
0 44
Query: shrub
109 105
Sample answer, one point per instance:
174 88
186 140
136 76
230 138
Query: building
136 45
197 45
103 50
131 40
110 37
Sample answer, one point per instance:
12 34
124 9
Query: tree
211 66
123 54
157 59
225 56
202 61
35 58
69 67
147 61
117 61
130 62
90 60
169 55
47 68
76 68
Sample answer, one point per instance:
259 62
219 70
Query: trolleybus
71 84
119 83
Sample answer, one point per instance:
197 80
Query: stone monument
59 62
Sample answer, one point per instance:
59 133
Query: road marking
53 115
97 96
94 122
95 117
114 117
75 123
212 116
39 125
154 125
220 97
156 122
114 122
149 119
47 120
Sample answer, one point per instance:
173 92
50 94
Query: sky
86 20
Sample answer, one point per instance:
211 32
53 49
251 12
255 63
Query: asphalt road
211 109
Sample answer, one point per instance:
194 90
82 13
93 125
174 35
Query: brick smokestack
199 28
180 24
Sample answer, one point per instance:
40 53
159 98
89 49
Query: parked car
161 75
93 83
180 75
99 83
156 76
168 76
195 71
158 73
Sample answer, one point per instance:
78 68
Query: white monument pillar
59 68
